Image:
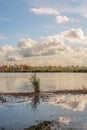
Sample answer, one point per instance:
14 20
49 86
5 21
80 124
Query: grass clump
45 125
35 82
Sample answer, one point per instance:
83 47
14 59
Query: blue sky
36 20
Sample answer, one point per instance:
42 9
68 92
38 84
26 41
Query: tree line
28 68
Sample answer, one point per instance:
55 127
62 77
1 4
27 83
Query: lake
20 82
69 110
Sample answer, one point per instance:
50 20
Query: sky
43 32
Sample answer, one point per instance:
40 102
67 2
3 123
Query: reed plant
35 82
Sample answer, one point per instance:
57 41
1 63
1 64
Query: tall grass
35 82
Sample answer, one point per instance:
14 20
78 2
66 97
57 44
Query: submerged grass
45 125
50 125
35 82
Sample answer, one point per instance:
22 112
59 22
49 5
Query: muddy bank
45 125
51 125
30 94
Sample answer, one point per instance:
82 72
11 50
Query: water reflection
64 120
20 82
70 102
76 103
67 110
35 101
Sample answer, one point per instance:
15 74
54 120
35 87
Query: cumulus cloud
55 45
74 35
26 43
26 52
50 11
46 46
50 45
44 11
25 47
62 19
6 50
13 58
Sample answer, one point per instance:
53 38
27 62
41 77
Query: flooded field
20 82
65 111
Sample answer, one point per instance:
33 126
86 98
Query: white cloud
7 49
44 11
46 46
65 6
55 45
51 45
13 58
26 52
62 19
26 43
25 47
50 11
74 35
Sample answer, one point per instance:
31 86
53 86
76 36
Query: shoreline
43 72
73 92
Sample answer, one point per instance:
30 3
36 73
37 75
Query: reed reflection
36 88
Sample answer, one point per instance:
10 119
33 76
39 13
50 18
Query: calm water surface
20 82
19 113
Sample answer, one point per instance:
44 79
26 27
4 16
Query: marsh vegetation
35 80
